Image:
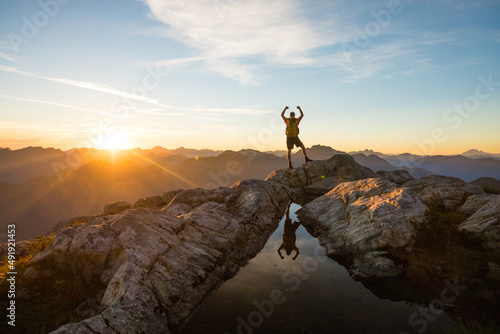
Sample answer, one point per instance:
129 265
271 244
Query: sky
394 76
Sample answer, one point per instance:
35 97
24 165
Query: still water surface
275 293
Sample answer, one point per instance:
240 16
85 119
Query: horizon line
480 152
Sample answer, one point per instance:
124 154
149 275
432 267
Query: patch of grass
40 243
33 316
48 302
35 247
491 190
443 252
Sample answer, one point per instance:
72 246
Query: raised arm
283 114
301 114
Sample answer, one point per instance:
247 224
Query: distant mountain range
38 204
41 186
18 166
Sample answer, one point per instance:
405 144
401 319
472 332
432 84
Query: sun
115 141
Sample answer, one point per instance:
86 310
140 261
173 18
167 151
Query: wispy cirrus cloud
57 104
230 33
86 85
7 57
239 111
237 38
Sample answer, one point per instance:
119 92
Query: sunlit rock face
319 177
451 191
157 266
485 222
362 219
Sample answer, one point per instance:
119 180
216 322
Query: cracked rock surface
151 264
485 222
362 219
157 266
319 177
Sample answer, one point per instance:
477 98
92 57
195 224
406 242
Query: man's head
292 114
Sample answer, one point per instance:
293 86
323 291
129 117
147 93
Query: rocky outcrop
489 184
449 192
116 207
395 176
362 219
485 223
156 267
319 177
154 262
155 202
475 203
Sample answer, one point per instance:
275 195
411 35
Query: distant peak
476 152
367 152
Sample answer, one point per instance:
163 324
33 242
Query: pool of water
277 292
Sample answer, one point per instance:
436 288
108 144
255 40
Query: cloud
239 111
175 62
228 33
6 57
86 85
238 38
218 127
57 104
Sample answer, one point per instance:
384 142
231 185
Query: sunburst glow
115 141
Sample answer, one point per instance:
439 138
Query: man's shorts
290 141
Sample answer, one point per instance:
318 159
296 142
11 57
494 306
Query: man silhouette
292 135
289 237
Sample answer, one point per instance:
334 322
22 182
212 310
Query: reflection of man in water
289 237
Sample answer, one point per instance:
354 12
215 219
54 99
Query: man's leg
306 158
289 157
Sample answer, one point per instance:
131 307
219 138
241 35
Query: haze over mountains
40 187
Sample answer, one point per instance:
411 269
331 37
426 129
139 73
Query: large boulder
362 220
155 202
319 177
485 223
450 192
395 176
116 207
156 267
475 202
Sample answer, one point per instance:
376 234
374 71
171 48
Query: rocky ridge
319 177
156 260
452 191
157 266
